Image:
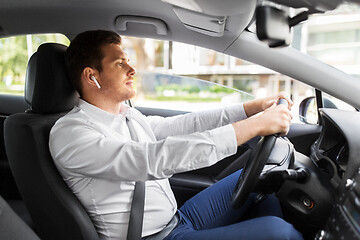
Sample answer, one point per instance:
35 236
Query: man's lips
130 82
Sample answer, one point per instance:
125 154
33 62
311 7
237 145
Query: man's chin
132 94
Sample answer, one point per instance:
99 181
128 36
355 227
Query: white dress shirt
94 153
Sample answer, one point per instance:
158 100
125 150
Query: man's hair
85 51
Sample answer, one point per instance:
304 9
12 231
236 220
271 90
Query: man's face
116 77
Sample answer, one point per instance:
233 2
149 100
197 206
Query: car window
14 55
165 91
183 77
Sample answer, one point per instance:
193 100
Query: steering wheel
251 172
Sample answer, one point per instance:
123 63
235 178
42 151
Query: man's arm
210 119
196 121
81 150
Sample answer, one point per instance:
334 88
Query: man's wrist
253 107
246 129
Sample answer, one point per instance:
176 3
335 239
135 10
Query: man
95 152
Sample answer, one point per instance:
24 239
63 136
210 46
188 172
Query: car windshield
333 38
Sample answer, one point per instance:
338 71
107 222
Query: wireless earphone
96 82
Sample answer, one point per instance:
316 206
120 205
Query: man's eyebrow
122 59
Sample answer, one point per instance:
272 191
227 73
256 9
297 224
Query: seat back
8 188
56 211
11 226
10 104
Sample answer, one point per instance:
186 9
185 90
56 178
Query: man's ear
88 75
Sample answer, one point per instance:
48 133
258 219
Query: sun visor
215 7
212 17
199 22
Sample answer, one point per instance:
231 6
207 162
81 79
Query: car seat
55 210
12 227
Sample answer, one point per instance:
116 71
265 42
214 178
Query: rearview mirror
273 25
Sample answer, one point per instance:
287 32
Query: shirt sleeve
82 149
196 121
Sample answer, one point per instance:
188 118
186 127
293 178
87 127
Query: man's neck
106 105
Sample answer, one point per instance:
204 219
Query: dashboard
337 153
337 150
331 151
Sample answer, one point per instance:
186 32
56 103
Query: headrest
48 88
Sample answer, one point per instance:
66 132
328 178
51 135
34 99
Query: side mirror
308 112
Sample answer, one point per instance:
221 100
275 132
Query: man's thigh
212 206
269 227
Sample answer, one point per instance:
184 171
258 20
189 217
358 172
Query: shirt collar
102 115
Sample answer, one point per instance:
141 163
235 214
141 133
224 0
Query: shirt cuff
225 139
236 112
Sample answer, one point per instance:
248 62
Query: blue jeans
209 215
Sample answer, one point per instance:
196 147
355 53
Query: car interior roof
75 16
72 17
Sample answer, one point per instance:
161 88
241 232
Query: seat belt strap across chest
138 201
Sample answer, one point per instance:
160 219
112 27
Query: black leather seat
11 104
12 227
56 211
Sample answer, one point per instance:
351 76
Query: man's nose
131 71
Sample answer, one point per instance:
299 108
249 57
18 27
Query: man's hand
270 101
275 119
258 105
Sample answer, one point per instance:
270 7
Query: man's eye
120 64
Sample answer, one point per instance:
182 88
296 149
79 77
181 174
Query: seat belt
137 212
137 205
